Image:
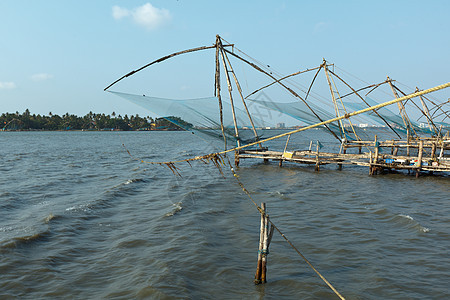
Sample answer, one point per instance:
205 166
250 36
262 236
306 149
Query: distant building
281 125
363 125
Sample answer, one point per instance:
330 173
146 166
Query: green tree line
91 121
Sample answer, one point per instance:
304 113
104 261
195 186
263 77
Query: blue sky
57 56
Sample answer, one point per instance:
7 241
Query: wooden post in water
260 248
317 168
407 141
374 169
419 158
265 236
433 149
395 150
376 150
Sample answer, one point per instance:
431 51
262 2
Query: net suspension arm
283 85
161 60
362 99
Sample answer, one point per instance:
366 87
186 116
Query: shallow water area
80 218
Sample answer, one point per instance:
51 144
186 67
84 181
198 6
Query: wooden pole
260 247
242 96
427 114
407 140
284 86
265 249
336 108
419 159
433 149
376 150
400 105
317 168
265 237
217 81
158 61
357 94
374 169
227 76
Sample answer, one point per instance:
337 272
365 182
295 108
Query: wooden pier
419 155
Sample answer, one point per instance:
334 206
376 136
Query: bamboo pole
160 60
401 109
422 111
317 168
278 80
227 76
286 87
217 91
265 237
261 245
265 250
314 78
433 149
419 159
241 95
376 150
336 91
427 114
336 109
356 92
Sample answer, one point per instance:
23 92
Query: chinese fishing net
202 116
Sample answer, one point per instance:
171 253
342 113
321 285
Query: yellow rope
346 116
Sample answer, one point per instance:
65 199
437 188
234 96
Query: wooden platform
429 155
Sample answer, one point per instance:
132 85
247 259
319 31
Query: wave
176 209
411 222
43 232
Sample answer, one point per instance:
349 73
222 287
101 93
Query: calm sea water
80 219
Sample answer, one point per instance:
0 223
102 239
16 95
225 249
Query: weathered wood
419 159
360 97
217 91
376 150
278 80
433 150
317 168
158 61
265 250
227 76
284 86
241 95
362 160
261 246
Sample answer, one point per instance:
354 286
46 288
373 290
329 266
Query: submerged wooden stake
265 236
